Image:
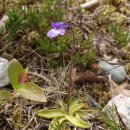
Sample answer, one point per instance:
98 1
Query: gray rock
117 72
3 72
122 104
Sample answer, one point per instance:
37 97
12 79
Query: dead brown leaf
87 76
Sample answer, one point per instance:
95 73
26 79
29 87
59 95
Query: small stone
3 20
122 104
3 72
117 72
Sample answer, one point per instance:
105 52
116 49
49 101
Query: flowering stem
59 29
71 81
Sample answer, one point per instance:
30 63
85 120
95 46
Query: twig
89 4
30 121
127 76
125 62
40 76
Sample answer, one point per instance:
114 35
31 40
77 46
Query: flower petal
57 25
53 33
62 31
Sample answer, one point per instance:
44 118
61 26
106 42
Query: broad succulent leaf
73 102
53 113
32 91
56 123
77 121
14 69
62 105
74 106
85 113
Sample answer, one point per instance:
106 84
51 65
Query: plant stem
71 81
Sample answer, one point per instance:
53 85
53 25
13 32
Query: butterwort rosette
57 29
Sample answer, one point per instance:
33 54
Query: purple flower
58 29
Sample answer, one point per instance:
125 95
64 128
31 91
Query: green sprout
17 76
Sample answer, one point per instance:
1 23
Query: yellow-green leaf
14 69
85 113
77 121
56 123
53 113
73 102
74 106
32 91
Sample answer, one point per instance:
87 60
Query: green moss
90 57
120 35
15 24
29 23
79 59
87 58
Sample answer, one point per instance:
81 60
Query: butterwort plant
72 110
